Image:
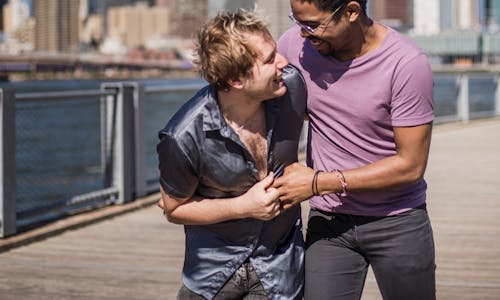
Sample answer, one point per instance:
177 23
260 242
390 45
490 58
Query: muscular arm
259 202
406 166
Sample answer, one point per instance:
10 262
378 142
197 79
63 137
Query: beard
324 47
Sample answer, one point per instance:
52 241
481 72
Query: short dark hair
331 5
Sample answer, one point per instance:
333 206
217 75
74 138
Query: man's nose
282 61
304 33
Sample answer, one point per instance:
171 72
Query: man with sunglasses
370 108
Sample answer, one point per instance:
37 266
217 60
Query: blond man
219 155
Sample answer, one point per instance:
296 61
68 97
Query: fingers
272 193
287 170
279 181
268 181
160 204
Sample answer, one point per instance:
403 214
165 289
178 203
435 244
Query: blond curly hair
223 51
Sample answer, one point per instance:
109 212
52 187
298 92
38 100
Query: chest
364 98
256 144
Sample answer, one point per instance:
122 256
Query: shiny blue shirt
201 155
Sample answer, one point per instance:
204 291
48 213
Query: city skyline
121 27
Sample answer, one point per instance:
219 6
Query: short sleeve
412 102
177 175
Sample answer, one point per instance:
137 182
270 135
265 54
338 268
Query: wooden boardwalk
139 255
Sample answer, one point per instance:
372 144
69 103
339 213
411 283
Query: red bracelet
343 183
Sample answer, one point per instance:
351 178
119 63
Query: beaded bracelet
343 183
315 183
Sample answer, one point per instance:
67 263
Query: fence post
463 97
497 95
8 163
118 149
140 153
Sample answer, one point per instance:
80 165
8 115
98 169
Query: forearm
388 172
200 211
259 202
405 167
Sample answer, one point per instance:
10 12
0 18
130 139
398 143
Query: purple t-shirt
353 107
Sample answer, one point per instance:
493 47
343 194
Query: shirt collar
212 115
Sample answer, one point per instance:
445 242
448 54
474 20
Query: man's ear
235 84
354 10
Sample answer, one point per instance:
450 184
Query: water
58 144
481 94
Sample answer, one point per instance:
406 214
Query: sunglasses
312 29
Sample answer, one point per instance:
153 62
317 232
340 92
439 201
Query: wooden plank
139 255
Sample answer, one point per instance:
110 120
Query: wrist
343 184
239 207
328 183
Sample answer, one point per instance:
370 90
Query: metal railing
125 117
475 93
116 175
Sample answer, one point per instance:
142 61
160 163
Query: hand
261 201
295 185
161 205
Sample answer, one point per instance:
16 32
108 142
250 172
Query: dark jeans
244 284
399 248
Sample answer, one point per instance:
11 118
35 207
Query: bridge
131 252
37 66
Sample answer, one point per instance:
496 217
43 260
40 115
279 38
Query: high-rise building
15 12
214 6
493 14
134 25
57 25
426 17
276 13
394 13
459 15
187 16
2 3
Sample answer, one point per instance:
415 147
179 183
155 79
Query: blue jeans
244 284
340 247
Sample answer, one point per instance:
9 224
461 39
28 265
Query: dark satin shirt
201 155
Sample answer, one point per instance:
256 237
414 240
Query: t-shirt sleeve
283 44
412 102
177 174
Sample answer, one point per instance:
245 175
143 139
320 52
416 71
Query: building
493 14
276 13
2 3
397 14
135 25
426 17
25 33
57 25
459 15
15 12
186 16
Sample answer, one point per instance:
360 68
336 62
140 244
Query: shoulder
294 80
186 118
404 47
289 44
402 55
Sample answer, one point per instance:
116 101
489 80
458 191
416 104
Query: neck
367 36
237 109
